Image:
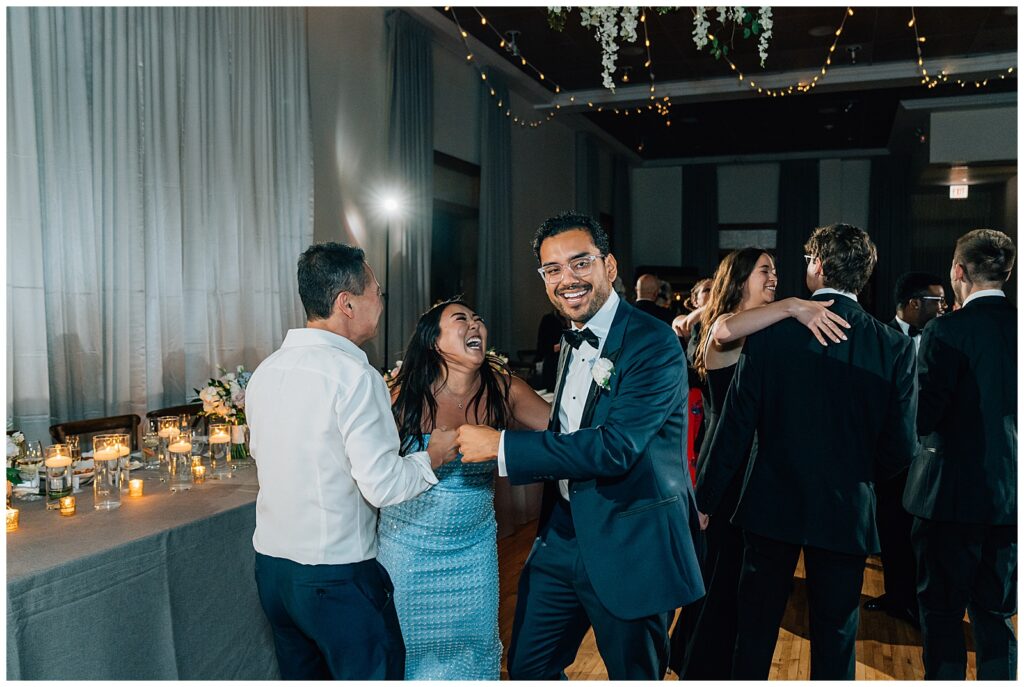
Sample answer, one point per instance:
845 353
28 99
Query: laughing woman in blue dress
441 547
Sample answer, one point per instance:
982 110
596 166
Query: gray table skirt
178 602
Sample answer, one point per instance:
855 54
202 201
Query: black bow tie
913 331
576 337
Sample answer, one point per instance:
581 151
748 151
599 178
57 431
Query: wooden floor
887 649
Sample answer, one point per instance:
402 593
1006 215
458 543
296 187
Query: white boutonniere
602 372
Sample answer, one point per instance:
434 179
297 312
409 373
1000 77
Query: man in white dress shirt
327 447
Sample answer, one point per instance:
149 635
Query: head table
161 588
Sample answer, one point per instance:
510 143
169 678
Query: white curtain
159 193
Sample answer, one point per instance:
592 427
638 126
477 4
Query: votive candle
12 519
198 474
135 487
67 506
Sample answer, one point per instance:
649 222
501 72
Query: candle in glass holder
135 487
12 519
180 446
198 474
67 506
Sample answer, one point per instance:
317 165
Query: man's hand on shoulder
478 443
442 447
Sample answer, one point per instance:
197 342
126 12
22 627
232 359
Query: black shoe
878 603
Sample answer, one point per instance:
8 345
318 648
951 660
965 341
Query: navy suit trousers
557 605
331 621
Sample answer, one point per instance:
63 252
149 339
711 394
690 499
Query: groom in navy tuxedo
615 545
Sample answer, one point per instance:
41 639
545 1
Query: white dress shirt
326 447
982 294
578 378
831 290
905 326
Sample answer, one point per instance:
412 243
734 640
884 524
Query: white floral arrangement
15 446
740 18
224 396
602 372
613 25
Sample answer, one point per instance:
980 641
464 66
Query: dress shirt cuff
502 472
422 461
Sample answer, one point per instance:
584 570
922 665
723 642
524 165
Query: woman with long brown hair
440 548
742 301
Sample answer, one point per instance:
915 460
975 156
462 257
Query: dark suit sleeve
898 440
730 447
938 366
652 388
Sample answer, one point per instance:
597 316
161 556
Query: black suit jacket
630 495
652 308
967 468
823 415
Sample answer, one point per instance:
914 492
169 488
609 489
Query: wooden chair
198 422
86 429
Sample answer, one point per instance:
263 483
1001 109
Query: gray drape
700 218
798 216
159 192
890 225
411 156
588 181
494 271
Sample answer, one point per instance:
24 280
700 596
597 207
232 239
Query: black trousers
709 652
973 568
331 621
557 605
834 582
894 523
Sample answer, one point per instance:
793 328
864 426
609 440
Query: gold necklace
461 404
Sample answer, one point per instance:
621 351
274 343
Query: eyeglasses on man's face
580 266
940 301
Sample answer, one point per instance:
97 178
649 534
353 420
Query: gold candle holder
135 487
67 506
12 519
198 474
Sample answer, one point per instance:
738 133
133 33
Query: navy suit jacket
967 470
632 503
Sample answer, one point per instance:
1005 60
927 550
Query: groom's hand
478 443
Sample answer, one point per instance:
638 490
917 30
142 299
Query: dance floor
887 649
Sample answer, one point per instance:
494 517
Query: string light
800 86
522 122
931 81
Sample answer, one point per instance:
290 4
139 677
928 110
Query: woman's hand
822 322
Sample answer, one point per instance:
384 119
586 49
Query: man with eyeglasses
614 549
962 487
830 421
920 298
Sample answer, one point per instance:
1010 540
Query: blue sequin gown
440 549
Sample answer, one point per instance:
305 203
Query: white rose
12 448
602 372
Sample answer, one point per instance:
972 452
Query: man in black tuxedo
647 288
920 298
962 487
614 549
828 419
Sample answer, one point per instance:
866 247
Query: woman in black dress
742 301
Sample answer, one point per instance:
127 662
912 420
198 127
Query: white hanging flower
700 28
602 372
764 18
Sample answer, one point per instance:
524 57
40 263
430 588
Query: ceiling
854 114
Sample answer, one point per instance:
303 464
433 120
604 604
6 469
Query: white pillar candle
180 447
